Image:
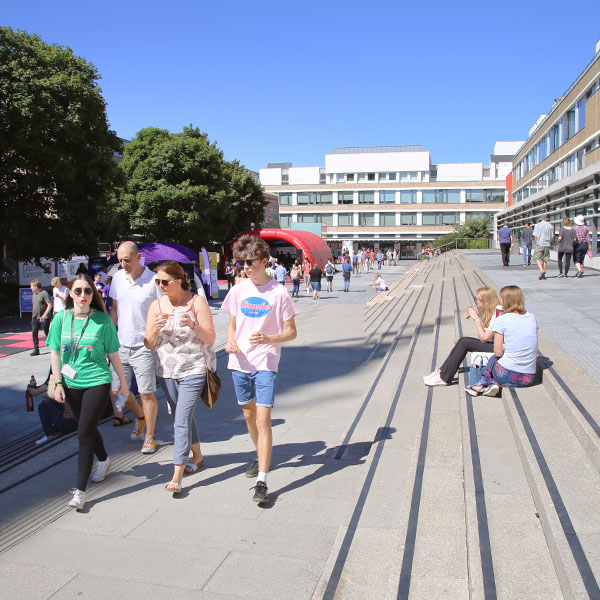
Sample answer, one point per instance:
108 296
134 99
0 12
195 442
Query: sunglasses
87 291
164 281
249 262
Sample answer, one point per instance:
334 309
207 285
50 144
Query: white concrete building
389 196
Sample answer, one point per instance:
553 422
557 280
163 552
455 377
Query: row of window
389 197
570 165
366 219
387 176
567 126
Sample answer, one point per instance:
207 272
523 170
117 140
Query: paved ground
380 487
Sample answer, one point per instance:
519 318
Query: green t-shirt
98 340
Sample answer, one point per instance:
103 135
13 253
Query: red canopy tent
313 246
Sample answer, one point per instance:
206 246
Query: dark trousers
457 355
567 256
35 328
88 405
505 249
51 416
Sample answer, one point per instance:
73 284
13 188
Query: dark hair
96 299
175 270
251 245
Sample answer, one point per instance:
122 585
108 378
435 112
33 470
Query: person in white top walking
59 295
133 289
543 234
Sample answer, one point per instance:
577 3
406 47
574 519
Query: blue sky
280 81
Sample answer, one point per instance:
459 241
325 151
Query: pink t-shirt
262 308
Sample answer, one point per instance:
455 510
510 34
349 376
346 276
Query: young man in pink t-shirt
261 318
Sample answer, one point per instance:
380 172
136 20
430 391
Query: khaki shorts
542 253
137 360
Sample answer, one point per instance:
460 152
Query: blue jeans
183 395
259 385
296 284
346 284
526 254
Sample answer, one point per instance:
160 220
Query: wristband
58 383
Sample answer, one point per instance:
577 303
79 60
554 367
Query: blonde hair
513 299
489 300
56 282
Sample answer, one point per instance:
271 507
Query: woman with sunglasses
80 338
180 330
483 315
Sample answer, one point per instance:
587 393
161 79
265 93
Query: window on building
555 139
366 197
494 195
430 218
387 197
580 159
383 176
303 198
366 219
450 218
345 197
408 197
340 177
581 114
315 198
326 219
324 198
344 219
570 124
441 196
392 176
370 176
362 177
285 220
307 218
408 218
475 196
350 177
388 219
285 199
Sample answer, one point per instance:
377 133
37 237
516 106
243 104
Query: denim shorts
315 285
259 385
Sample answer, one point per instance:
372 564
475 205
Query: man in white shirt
133 288
543 234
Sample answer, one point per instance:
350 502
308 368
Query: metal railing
461 243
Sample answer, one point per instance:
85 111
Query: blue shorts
259 386
315 285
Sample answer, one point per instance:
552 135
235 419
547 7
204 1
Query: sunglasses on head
164 281
87 291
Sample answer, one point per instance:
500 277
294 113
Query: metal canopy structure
313 247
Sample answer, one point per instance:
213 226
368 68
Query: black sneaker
252 470
34 353
260 492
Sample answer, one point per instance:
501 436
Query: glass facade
441 196
408 218
408 197
366 219
387 197
345 197
366 197
388 219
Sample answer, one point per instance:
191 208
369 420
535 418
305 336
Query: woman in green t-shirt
80 338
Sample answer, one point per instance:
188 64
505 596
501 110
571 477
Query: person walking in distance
315 281
261 318
306 271
80 339
583 243
347 273
329 271
567 238
505 237
527 242
40 316
60 293
543 235
180 330
295 275
133 289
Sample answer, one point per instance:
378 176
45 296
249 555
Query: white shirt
520 341
133 302
60 295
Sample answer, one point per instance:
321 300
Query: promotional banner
213 260
30 270
68 268
25 301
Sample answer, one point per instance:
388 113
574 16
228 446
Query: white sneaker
42 440
78 500
492 390
432 374
101 470
435 380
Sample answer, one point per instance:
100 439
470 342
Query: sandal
173 487
118 421
191 467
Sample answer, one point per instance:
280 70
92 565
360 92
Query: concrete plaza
380 487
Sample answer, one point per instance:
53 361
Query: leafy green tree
57 165
473 234
179 188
